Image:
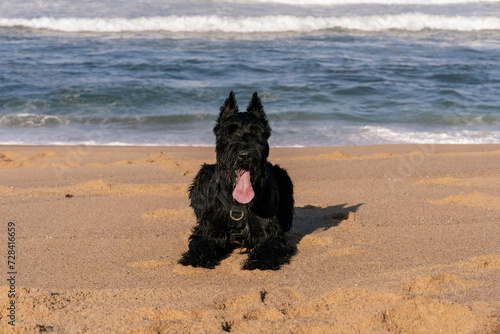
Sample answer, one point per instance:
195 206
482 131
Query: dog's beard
243 191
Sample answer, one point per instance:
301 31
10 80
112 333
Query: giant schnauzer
242 199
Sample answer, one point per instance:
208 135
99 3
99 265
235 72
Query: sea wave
27 120
256 24
381 134
30 120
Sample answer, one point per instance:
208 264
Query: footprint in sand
435 284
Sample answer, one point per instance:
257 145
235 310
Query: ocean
329 72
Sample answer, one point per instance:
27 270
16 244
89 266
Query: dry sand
391 239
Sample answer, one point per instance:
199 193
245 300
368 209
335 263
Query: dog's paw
261 265
204 252
189 259
270 255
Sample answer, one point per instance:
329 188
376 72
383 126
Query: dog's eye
257 131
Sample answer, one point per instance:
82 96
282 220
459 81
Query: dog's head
241 145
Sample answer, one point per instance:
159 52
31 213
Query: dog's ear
255 107
230 105
229 108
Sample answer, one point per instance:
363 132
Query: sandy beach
390 238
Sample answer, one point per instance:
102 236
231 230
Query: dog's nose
245 155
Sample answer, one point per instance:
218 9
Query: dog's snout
245 155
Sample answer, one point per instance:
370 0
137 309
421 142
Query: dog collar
236 213
237 223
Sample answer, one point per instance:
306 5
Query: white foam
378 134
27 120
249 24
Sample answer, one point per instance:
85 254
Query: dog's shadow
310 218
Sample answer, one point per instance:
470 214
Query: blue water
333 72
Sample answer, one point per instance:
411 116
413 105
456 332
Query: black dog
242 199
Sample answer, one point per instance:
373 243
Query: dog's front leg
271 254
205 250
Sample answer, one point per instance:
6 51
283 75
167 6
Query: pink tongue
243 192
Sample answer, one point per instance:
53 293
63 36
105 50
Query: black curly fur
241 143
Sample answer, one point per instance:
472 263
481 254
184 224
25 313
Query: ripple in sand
475 199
